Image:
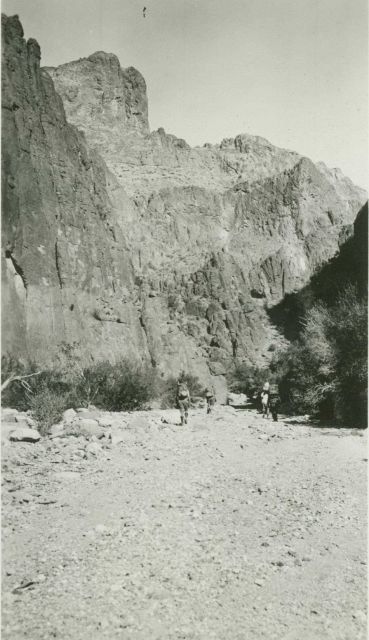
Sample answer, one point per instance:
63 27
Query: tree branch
13 378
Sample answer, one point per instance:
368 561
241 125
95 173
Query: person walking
210 398
274 402
264 396
183 400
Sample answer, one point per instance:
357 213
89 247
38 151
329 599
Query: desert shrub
47 407
247 379
18 393
349 335
168 389
324 372
121 387
114 387
305 371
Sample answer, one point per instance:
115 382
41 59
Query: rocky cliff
127 242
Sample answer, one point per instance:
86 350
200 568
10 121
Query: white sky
292 71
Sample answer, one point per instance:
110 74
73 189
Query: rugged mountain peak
100 96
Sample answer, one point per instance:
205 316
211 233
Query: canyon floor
229 528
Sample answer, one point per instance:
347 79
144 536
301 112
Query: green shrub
125 387
324 372
47 407
114 387
18 393
248 379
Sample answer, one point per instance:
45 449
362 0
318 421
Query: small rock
102 529
94 448
69 415
116 436
105 422
23 497
360 616
25 435
259 582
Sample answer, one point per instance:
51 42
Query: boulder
23 422
236 399
56 430
6 429
116 436
9 415
22 434
90 427
105 422
69 415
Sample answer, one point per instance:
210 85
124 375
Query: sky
292 71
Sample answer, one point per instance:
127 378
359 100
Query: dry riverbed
230 528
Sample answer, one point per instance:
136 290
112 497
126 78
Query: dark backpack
183 391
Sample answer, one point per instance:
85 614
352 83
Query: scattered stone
25 435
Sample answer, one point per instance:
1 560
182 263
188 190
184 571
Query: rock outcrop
131 243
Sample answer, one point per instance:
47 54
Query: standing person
183 400
274 402
210 398
264 395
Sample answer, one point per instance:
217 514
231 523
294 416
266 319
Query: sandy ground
230 528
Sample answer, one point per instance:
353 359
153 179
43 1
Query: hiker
210 398
264 396
183 400
274 402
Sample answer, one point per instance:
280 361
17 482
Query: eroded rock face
133 243
65 260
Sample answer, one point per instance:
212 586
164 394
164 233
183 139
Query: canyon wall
126 242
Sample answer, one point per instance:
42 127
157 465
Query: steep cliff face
65 260
171 254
